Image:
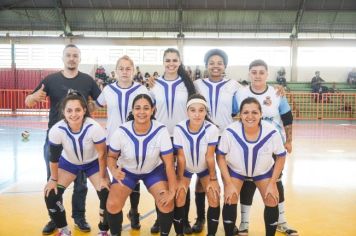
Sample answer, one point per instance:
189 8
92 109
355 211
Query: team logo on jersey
267 101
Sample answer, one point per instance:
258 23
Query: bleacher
304 87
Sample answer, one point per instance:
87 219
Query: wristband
54 180
213 179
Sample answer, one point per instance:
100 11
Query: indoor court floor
319 180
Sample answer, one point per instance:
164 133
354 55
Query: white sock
282 216
245 213
65 230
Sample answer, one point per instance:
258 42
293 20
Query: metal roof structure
180 16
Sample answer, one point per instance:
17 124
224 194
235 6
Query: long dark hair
182 72
141 96
199 96
71 96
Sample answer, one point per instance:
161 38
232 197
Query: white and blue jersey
78 148
119 103
141 154
170 98
273 106
195 145
219 96
251 159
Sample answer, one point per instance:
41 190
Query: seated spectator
281 77
317 87
351 78
316 82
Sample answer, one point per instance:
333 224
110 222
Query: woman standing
136 152
170 93
77 143
219 93
245 151
275 110
118 97
196 139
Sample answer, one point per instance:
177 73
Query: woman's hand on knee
230 194
271 196
165 197
213 189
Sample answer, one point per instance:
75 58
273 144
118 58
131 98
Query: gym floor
319 180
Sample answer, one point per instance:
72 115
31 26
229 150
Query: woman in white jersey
276 110
196 139
141 150
218 92
170 92
118 97
77 142
245 151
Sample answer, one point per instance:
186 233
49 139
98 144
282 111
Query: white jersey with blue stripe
141 154
250 158
273 106
195 145
219 96
78 148
170 99
119 103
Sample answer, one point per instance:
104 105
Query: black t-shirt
57 86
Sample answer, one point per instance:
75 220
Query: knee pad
103 197
54 201
280 191
137 188
247 192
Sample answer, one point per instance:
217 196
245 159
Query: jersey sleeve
177 138
224 144
115 141
278 147
213 138
101 100
283 106
166 144
54 136
99 135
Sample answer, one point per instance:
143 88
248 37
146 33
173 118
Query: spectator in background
100 77
281 77
316 82
351 78
138 77
189 72
112 78
155 75
197 73
145 79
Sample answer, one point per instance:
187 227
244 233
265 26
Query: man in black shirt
56 87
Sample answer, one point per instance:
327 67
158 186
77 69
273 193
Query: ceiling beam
180 19
298 19
62 16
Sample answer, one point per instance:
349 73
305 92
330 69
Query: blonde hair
127 58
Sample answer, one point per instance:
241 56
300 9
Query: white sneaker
63 233
103 233
243 229
284 228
